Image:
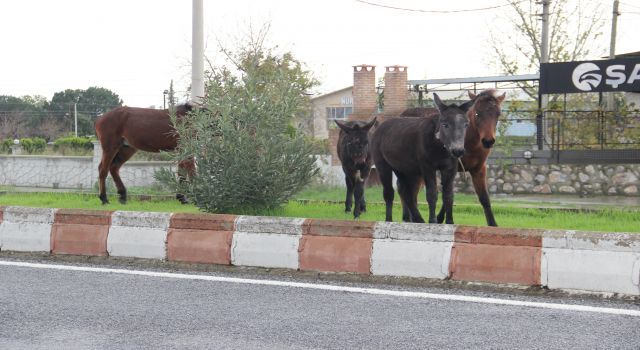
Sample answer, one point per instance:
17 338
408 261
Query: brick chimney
396 93
364 92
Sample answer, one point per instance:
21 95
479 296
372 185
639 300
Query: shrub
248 158
5 146
34 145
78 145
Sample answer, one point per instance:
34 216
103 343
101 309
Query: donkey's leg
349 179
411 198
446 177
364 174
386 178
432 192
358 195
480 185
402 190
124 154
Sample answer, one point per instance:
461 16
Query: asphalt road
42 308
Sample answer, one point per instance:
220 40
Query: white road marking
335 288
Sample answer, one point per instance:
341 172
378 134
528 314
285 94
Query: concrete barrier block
200 238
26 229
495 263
503 236
265 224
335 254
199 246
137 234
339 228
393 257
583 240
590 270
265 249
80 232
414 232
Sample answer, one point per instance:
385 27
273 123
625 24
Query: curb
564 260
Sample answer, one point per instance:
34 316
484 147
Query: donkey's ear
441 106
369 124
472 95
342 126
467 105
501 97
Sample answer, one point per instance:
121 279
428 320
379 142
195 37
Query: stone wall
616 179
80 173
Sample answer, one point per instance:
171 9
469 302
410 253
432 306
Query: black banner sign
590 76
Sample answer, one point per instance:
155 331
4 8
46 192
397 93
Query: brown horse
480 137
125 130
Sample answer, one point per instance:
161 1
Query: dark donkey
481 135
353 152
125 130
414 149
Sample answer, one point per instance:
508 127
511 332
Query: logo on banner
586 76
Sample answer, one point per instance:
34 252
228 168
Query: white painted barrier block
265 250
265 224
26 229
591 270
392 257
414 232
138 234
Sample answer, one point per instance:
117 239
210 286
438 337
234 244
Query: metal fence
571 136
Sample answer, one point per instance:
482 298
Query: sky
136 47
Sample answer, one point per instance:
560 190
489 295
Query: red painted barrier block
80 232
500 255
336 246
200 238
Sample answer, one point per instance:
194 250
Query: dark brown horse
480 137
353 152
414 149
125 130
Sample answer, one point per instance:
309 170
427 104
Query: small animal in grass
415 149
353 152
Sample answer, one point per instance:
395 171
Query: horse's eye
446 126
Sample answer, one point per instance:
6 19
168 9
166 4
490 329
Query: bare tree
574 29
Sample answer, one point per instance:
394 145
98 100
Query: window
339 113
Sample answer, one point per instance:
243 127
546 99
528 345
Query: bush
5 146
77 145
34 145
248 159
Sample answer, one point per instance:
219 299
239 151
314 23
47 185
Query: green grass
467 211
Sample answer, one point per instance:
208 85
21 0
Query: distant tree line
35 116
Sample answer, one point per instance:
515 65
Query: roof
332 92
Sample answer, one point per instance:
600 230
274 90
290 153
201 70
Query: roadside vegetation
327 203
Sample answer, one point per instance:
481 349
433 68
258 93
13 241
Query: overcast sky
135 47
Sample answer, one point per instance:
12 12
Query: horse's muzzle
488 143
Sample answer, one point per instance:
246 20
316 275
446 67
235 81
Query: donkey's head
354 139
451 126
485 112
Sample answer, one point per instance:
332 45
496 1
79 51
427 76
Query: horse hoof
122 200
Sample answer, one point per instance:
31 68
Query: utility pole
612 49
544 58
197 52
75 117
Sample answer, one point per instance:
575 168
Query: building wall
321 124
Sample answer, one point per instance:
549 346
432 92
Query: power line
435 11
